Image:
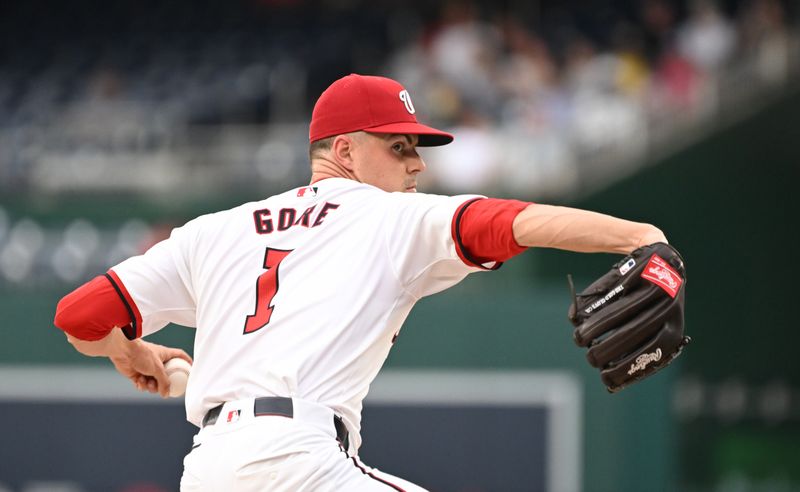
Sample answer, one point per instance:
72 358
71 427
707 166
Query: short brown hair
320 146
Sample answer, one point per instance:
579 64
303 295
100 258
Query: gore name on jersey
286 218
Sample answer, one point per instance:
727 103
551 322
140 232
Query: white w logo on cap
406 98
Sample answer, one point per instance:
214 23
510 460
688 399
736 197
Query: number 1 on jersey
266 288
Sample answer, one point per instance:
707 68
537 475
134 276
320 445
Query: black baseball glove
631 318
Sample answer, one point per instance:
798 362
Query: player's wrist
119 347
650 236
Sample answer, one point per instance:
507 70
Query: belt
282 407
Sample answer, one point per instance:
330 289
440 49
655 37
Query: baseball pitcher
297 299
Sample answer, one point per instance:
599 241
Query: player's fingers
145 383
152 385
172 353
140 381
161 381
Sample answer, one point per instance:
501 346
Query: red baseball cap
372 104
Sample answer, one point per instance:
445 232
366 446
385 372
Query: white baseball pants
241 452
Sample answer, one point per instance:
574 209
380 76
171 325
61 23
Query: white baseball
178 374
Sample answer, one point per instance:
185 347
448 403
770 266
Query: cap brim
428 137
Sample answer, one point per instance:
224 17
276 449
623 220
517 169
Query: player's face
388 161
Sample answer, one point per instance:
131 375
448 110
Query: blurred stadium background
122 119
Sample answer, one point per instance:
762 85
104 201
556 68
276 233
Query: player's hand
631 319
143 364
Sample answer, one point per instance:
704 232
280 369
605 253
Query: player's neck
323 169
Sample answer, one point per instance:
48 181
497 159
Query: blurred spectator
527 66
632 71
658 19
470 162
706 39
765 38
464 52
677 85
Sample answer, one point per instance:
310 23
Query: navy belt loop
274 405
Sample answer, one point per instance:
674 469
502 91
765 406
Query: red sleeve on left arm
92 310
483 230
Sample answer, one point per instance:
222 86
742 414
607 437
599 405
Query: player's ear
342 151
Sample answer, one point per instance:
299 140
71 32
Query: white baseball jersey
300 294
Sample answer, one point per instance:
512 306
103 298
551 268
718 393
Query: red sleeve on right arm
92 310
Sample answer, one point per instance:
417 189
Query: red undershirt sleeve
483 230
92 310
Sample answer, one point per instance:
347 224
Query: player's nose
417 165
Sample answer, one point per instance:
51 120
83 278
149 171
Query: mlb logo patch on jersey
234 415
308 191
